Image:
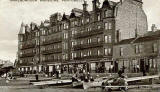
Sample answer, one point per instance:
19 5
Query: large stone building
84 39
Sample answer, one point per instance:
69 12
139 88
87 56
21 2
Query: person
120 72
144 72
36 76
57 74
88 75
91 78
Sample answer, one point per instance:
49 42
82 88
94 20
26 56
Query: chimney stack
85 6
118 36
136 33
153 28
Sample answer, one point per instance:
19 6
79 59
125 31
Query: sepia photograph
79 46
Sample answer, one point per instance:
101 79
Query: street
5 89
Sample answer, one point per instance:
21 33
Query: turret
22 29
96 4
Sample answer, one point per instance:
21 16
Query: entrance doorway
142 66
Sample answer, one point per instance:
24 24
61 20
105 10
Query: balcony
28 46
57 40
27 55
89 57
25 64
52 51
88 33
52 60
90 45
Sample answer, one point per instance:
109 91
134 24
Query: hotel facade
82 40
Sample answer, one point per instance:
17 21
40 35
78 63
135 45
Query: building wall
129 16
129 50
56 48
132 60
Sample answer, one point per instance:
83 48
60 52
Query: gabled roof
139 39
64 17
22 29
72 15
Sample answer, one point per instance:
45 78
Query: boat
96 83
56 82
78 84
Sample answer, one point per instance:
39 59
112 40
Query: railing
57 40
28 46
88 33
89 45
52 60
89 57
28 55
52 51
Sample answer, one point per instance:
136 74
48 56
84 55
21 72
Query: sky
13 13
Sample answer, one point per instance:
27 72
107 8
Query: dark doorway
142 68
115 67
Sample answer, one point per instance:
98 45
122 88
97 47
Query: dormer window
75 23
43 32
108 13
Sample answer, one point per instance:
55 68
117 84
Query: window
65 26
81 41
75 23
109 39
21 39
98 39
155 47
37 42
43 32
89 40
21 46
107 51
81 54
82 21
88 29
108 13
138 48
88 53
106 39
43 39
121 51
72 23
98 52
65 46
98 17
108 25
65 35
73 33
72 56
37 33
88 20
66 58
99 27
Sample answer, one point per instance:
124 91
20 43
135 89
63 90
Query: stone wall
129 16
